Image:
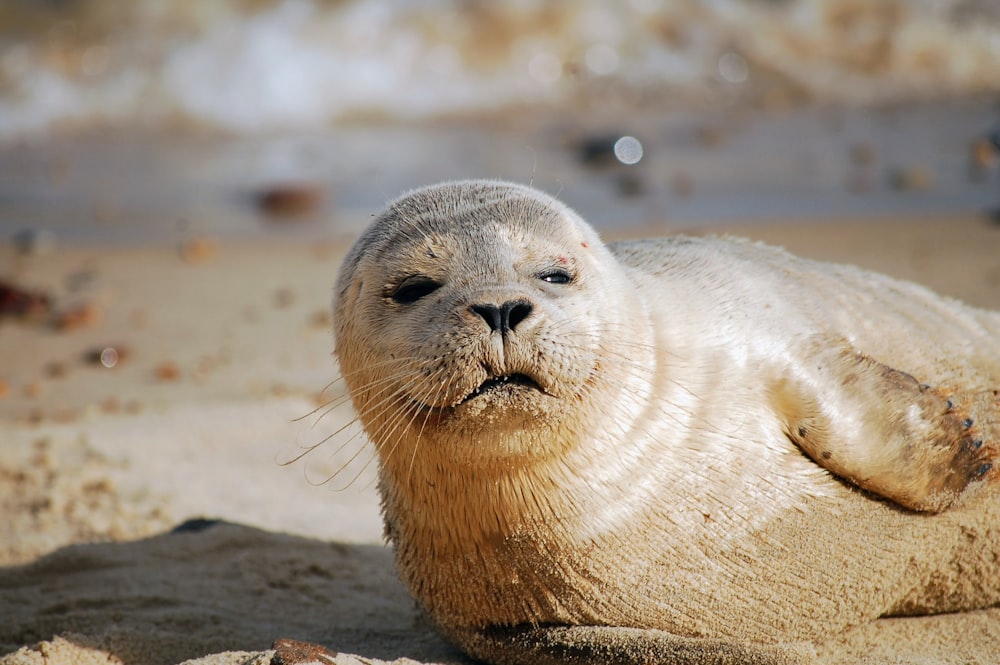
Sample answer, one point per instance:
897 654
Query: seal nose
505 317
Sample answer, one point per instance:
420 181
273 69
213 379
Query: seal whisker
427 413
342 378
350 460
385 430
313 446
386 384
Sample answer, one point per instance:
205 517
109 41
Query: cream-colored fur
663 447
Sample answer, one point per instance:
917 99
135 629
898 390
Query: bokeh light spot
628 150
109 357
733 68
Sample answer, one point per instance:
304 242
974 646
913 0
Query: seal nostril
506 317
515 311
490 314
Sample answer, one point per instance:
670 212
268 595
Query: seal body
699 443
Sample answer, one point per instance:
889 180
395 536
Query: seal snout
506 347
506 317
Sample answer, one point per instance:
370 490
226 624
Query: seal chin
505 383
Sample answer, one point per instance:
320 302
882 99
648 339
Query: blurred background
153 120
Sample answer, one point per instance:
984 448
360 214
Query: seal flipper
602 645
887 432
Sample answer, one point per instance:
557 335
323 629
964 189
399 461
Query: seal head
484 348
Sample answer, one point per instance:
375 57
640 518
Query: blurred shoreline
280 65
159 122
697 170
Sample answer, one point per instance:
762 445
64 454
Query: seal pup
678 450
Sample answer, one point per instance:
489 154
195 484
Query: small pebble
984 154
55 370
167 371
197 250
911 178
598 150
107 356
289 201
293 652
87 315
284 298
321 318
20 303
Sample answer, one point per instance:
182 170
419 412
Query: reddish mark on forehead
584 244
562 259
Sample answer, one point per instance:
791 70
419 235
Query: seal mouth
498 382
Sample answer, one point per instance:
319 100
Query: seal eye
556 277
412 289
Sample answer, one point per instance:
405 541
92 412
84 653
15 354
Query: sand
223 354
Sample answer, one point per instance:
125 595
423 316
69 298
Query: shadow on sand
210 586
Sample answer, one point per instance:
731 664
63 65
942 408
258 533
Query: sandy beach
150 518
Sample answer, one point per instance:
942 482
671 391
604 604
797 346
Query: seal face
667 437
506 333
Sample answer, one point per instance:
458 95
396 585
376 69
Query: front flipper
607 645
887 432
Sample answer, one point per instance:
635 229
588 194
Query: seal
677 449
